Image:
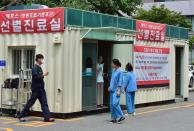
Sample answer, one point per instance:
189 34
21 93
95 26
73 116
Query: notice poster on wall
151 65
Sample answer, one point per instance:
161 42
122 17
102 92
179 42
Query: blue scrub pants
130 102
41 96
115 107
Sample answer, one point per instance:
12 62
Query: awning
106 33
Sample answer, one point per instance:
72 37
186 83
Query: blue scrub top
129 82
37 78
116 80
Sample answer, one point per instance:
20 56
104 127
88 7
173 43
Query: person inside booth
100 81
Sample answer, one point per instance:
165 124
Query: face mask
41 61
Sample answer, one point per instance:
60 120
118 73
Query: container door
123 52
89 75
179 71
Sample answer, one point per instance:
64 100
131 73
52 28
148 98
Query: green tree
163 15
114 7
104 6
6 3
191 42
79 4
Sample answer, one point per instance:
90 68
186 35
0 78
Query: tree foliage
114 6
163 15
104 6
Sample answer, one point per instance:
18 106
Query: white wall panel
147 95
63 61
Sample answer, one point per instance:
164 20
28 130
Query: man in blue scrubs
38 91
130 87
115 91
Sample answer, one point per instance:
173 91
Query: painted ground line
6 129
71 120
164 109
10 122
35 124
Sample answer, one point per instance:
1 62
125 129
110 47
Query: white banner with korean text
151 65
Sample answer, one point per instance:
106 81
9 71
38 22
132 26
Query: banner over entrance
151 65
150 31
32 21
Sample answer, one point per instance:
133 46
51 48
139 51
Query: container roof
87 19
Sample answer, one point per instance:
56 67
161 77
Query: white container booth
71 58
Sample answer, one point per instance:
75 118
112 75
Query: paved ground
173 117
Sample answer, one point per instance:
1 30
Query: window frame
23 61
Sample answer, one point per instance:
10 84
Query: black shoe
121 119
22 119
113 121
49 120
99 106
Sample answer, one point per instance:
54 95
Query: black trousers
41 96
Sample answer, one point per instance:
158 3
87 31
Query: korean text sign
2 64
151 65
32 21
150 31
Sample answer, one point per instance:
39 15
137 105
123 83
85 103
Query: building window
22 59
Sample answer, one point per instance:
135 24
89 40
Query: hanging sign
150 31
32 21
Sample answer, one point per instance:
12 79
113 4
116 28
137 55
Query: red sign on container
32 21
150 31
